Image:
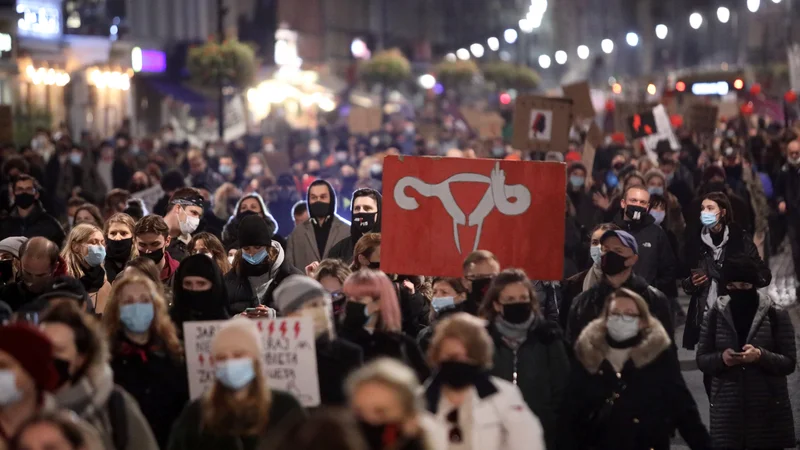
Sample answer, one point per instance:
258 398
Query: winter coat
37 223
787 189
656 257
155 379
388 344
587 214
548 293
336 358
343 250
17 295
415 309
539 368
637 408
230 232
749 402
240 291
189 433
701 256
589 305
500 418
112 411
302 248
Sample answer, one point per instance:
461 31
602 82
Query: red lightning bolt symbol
648 130
260 326
271 328
637 122
283 329
200 358
296 329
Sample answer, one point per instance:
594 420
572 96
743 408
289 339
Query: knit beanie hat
254 231
12 245
238 334
713 171
295 291
741 269
33 351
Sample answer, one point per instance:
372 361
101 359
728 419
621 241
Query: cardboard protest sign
587 159
150 196
623 111
438 210
491 126
642 125
542 123
364 120
594 136
290 358
663 133
703 118
581 98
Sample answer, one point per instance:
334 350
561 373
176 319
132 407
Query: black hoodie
343 250
656 257
185 306
321 232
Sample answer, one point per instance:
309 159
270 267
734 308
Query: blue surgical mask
596 253
441 303
96 255
577 181
670 177
137 317
611 180
622 328
75 158
9 392
498 152
658 216
235 374
225 170
655 190
709 219
256 259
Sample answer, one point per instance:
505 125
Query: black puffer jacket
37 223
749 402
656 257
701 256
240 290
390 345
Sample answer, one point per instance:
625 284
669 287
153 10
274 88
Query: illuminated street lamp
583 52
561 57
695 20
661 31
607 45
723 14
753 5
632 39
510 35
494 44
544 61
477 50
462 54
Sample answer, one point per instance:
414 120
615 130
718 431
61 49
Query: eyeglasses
455 436
625 317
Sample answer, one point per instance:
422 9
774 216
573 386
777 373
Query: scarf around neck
514 334
705 236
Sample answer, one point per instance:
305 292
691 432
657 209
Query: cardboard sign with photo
581 98
542 124
642 125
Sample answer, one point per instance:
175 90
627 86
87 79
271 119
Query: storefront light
110 79
47 77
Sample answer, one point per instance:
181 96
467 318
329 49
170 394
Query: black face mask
200 303
62 369
635 213
6 270
319 210
738 295
475 297
618 166
374 265
156 256
733 172
458 374
119 251
25 200
355 315
93 279
380 436
517 313
613 263
362 223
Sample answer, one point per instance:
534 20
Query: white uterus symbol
497 195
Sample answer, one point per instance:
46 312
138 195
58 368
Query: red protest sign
438 210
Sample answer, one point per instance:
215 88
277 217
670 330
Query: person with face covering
747 346
479 411
54 430
186 208
449 297
281 198
118 231
366 213
787 197
240 410
300 296
620 252
84 253
250 204
627 356
313 240
27 374
707 250
199 292
146 354
372 320
39 264
86 382
28 217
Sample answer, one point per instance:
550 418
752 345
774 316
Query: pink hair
375 284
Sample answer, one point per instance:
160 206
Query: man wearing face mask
787 192
479 268
28 217
313 240
151 236
300 296
366 213
656 262
38 265
183 218
620 255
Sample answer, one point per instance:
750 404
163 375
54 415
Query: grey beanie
295 291
12 245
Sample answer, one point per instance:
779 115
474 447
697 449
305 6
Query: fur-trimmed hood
591 346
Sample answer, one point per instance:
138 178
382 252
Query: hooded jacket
240 295
343 250
183 310
656 257
230 233
37 223
302 248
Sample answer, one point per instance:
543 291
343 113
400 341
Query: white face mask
622 328
256 169
314 147
190 224
230 259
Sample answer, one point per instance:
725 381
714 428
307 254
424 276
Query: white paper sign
290 357
664 127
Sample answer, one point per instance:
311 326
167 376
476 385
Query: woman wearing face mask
367 252
240 411
529 350
118 232
248 205
383 399
56 431
146 355
27 374
301 296
478 410
84 254
707 249
372 320
208 244
579 192
199 292
258 269
87 383
656 183
449 295
331 274
626 391
747 346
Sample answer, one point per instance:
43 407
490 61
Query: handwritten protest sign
542 123
290 359
438 210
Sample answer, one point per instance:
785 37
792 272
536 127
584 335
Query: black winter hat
66 287
742 269
254 231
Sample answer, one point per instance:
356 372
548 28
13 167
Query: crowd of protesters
97 280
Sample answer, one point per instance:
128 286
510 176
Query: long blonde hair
161 327
78 236
223 413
